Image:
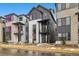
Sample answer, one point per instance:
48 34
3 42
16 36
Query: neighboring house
41 25
68 22
15 30
2 32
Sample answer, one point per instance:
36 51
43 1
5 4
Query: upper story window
62 6
67 5
20 18
8 18
67 20
59 6
64 21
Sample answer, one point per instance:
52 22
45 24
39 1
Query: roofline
22 15
33 9
52 17
2 17
42 7
48 11
12 14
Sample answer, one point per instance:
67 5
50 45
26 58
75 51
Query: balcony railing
16 22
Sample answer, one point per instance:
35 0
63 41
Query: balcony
44 21
17 22
43 33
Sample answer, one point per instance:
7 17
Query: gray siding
46 14
36 15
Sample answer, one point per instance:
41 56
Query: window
63 6
8 18
67 5
63 21
59 6
64 36
59 22
68 21
20 18
59 34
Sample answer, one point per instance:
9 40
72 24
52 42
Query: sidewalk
47 48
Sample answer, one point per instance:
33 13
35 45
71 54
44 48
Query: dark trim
48 11
77 13
42 7
34 9
22 15
2 17
11 14
52 17
42 12
17 23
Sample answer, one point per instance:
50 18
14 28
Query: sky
21 8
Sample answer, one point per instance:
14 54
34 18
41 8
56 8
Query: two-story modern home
15 28
41 25
2 31
68 22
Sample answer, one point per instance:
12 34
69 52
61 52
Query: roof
22 15
1 21
34 9
42 12
2 17
11 14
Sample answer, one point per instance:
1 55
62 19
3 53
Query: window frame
68 20
59 22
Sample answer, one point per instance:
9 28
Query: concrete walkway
48 48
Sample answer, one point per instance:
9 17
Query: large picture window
67 20
64 21
64 36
